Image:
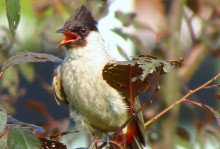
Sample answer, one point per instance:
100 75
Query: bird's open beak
70 37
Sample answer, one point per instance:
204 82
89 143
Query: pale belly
92 101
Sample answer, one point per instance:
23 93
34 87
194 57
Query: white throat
95 47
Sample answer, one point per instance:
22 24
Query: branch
191 92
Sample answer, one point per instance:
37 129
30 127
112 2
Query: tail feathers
134 137
135 130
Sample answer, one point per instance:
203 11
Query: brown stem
181 100
1 73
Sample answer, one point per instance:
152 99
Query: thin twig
4 132
181 100
154 92
55 136
212 86
1 73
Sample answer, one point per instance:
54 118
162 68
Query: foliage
170 41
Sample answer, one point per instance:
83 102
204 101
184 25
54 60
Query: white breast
91 99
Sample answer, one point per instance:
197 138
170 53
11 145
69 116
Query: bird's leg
107 138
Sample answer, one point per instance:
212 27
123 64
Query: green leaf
3 119
27 71
180 142
3 141
13 14
27 57
22 139
10 80
120 33
126 18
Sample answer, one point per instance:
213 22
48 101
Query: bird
89 83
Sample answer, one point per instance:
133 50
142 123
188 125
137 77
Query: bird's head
77 28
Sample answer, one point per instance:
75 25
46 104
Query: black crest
82 16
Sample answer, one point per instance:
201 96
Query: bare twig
149 100
212 86
181 100
55 136
4 132
104 144
1 73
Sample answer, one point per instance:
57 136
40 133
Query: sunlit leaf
182 143
126 18
122 52
120 33
13 14
22 139
3 140
10 80
27 71
49 144
3 119
135 39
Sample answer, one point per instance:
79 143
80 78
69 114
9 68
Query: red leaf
37 106
51 144
126 79
132 77
217 95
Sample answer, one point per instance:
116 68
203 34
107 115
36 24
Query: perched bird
87 82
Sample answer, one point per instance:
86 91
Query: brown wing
129 79
132 77
59 93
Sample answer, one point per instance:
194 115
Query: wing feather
59 93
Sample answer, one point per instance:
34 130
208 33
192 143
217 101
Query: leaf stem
181 100
1 73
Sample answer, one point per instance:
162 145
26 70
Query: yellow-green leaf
3 118
22 139
10 80
27 71
13 14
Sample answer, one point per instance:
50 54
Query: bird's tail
135 129
132 136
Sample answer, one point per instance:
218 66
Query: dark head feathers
82 16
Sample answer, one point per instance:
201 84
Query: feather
59 93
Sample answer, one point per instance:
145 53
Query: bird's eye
83 30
